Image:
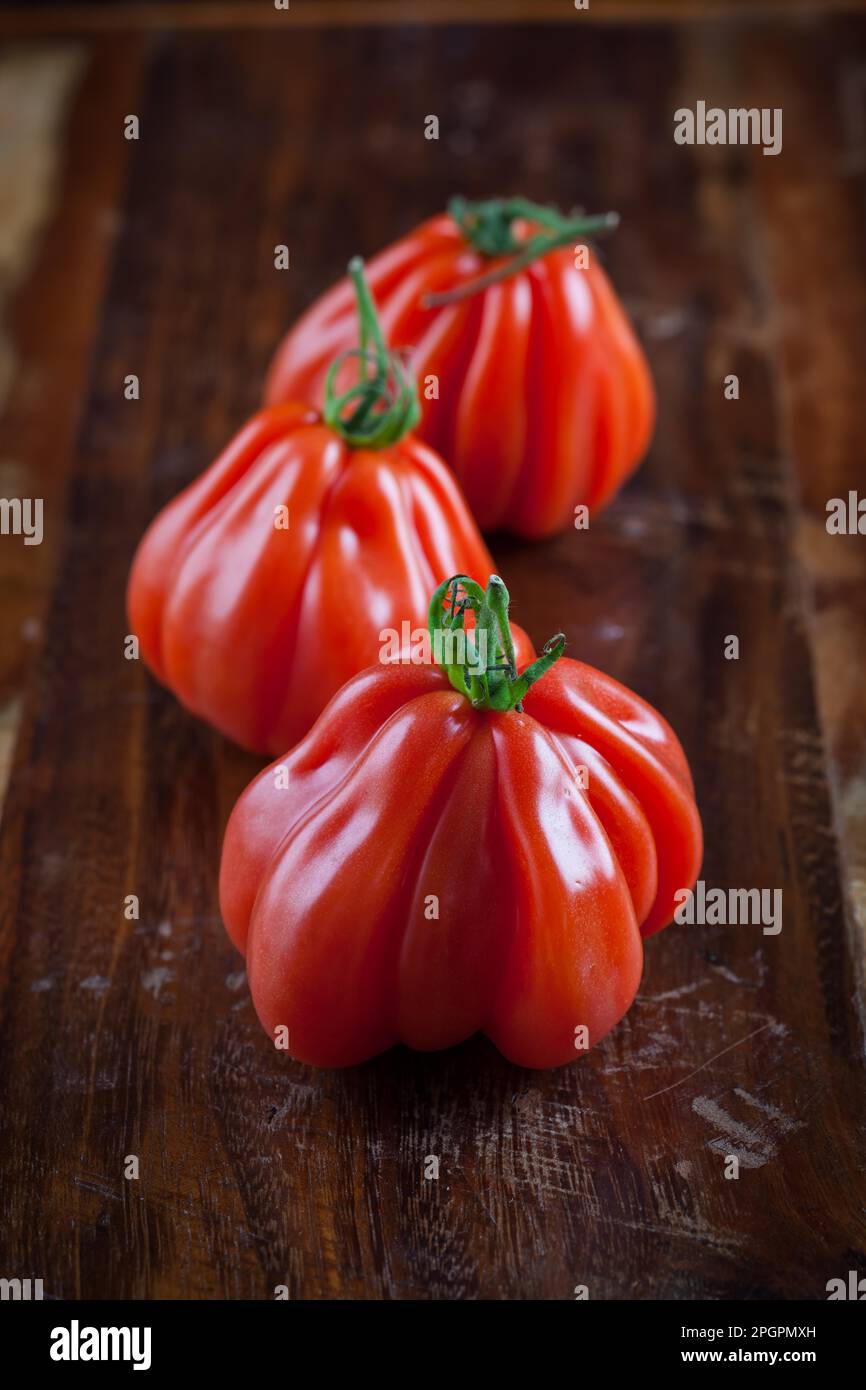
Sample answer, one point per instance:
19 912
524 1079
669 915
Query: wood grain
53 269
138 1037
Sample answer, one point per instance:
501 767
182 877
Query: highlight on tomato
274 577
468 847
535 388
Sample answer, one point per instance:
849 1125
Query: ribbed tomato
534 387
276 575
446 853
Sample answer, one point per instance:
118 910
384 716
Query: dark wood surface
122 1037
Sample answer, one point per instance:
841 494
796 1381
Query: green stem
483 669
383 404
488 227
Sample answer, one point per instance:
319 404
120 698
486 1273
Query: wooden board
124 1037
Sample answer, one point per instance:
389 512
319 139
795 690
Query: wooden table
155 257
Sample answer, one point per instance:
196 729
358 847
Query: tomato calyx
488 226
482 665
383 405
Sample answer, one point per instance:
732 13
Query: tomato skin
545 397
255 628
403 795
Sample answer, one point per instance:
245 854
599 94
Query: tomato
446 853
272 579
535 388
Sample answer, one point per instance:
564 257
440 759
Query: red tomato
255 626
432 860
544 397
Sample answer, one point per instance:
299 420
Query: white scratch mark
785 1123
710 1061
675 993
759 1148
153 980
711 1110
728 974
98 983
